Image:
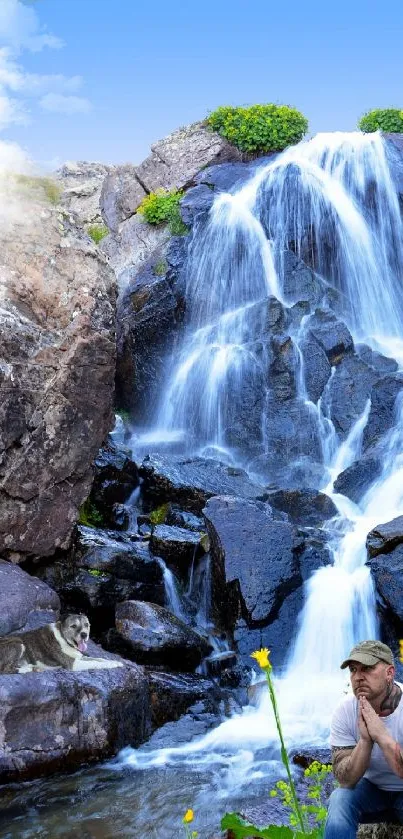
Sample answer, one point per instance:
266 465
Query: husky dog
60 644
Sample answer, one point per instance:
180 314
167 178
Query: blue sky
103 79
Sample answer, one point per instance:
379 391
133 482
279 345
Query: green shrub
89 516
260 128
159 515
97 232
160 268
389 119
163 206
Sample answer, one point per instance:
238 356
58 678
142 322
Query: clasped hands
370 725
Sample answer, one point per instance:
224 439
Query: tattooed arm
350 764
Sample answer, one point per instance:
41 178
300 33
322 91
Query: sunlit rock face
57 357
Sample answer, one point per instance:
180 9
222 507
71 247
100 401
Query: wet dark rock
283 368
191 481
292 436
303 506
300 282
382 416
177 546
149 634
226 177
317 368
348 392
182 518
197 200
103 569
376 360
57 720
172 694
314 555
116 476
385 537
331 334
218 663
357 478
387 571
253 562
25 601
149 317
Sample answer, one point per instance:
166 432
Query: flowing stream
333 200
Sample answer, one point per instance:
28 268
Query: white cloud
59 104
20 30
11 112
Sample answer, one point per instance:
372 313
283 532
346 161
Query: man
367 743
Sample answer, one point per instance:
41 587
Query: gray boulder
299 281
303 506
25 602
81 184
387 571
317 368
58 720
121 194
331 334
178 546
382 416
57 362
151 635
376 360
191 481
132 246
347 393
357 478
253 562
175 161
150 316
385 537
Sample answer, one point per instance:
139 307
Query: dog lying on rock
60 644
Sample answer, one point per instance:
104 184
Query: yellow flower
188 817
262 658
401 651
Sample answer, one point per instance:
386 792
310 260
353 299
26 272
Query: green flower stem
284 755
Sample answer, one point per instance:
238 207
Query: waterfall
172 596
332 202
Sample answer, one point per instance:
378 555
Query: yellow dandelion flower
262 658
401 651
188 817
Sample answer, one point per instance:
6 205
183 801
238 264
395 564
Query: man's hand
374 725
362 725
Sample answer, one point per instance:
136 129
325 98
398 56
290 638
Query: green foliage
313 813
241 829
159 515
95 572
45 185
89 516
259 128
97 232
163 206
389 119
160 268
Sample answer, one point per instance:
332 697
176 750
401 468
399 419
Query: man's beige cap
369 653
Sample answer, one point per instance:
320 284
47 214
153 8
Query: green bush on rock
388 119
259 128
97 232
163 206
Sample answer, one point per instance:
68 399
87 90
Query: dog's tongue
82 646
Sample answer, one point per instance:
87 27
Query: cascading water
333 203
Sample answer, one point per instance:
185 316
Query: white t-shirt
344 732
